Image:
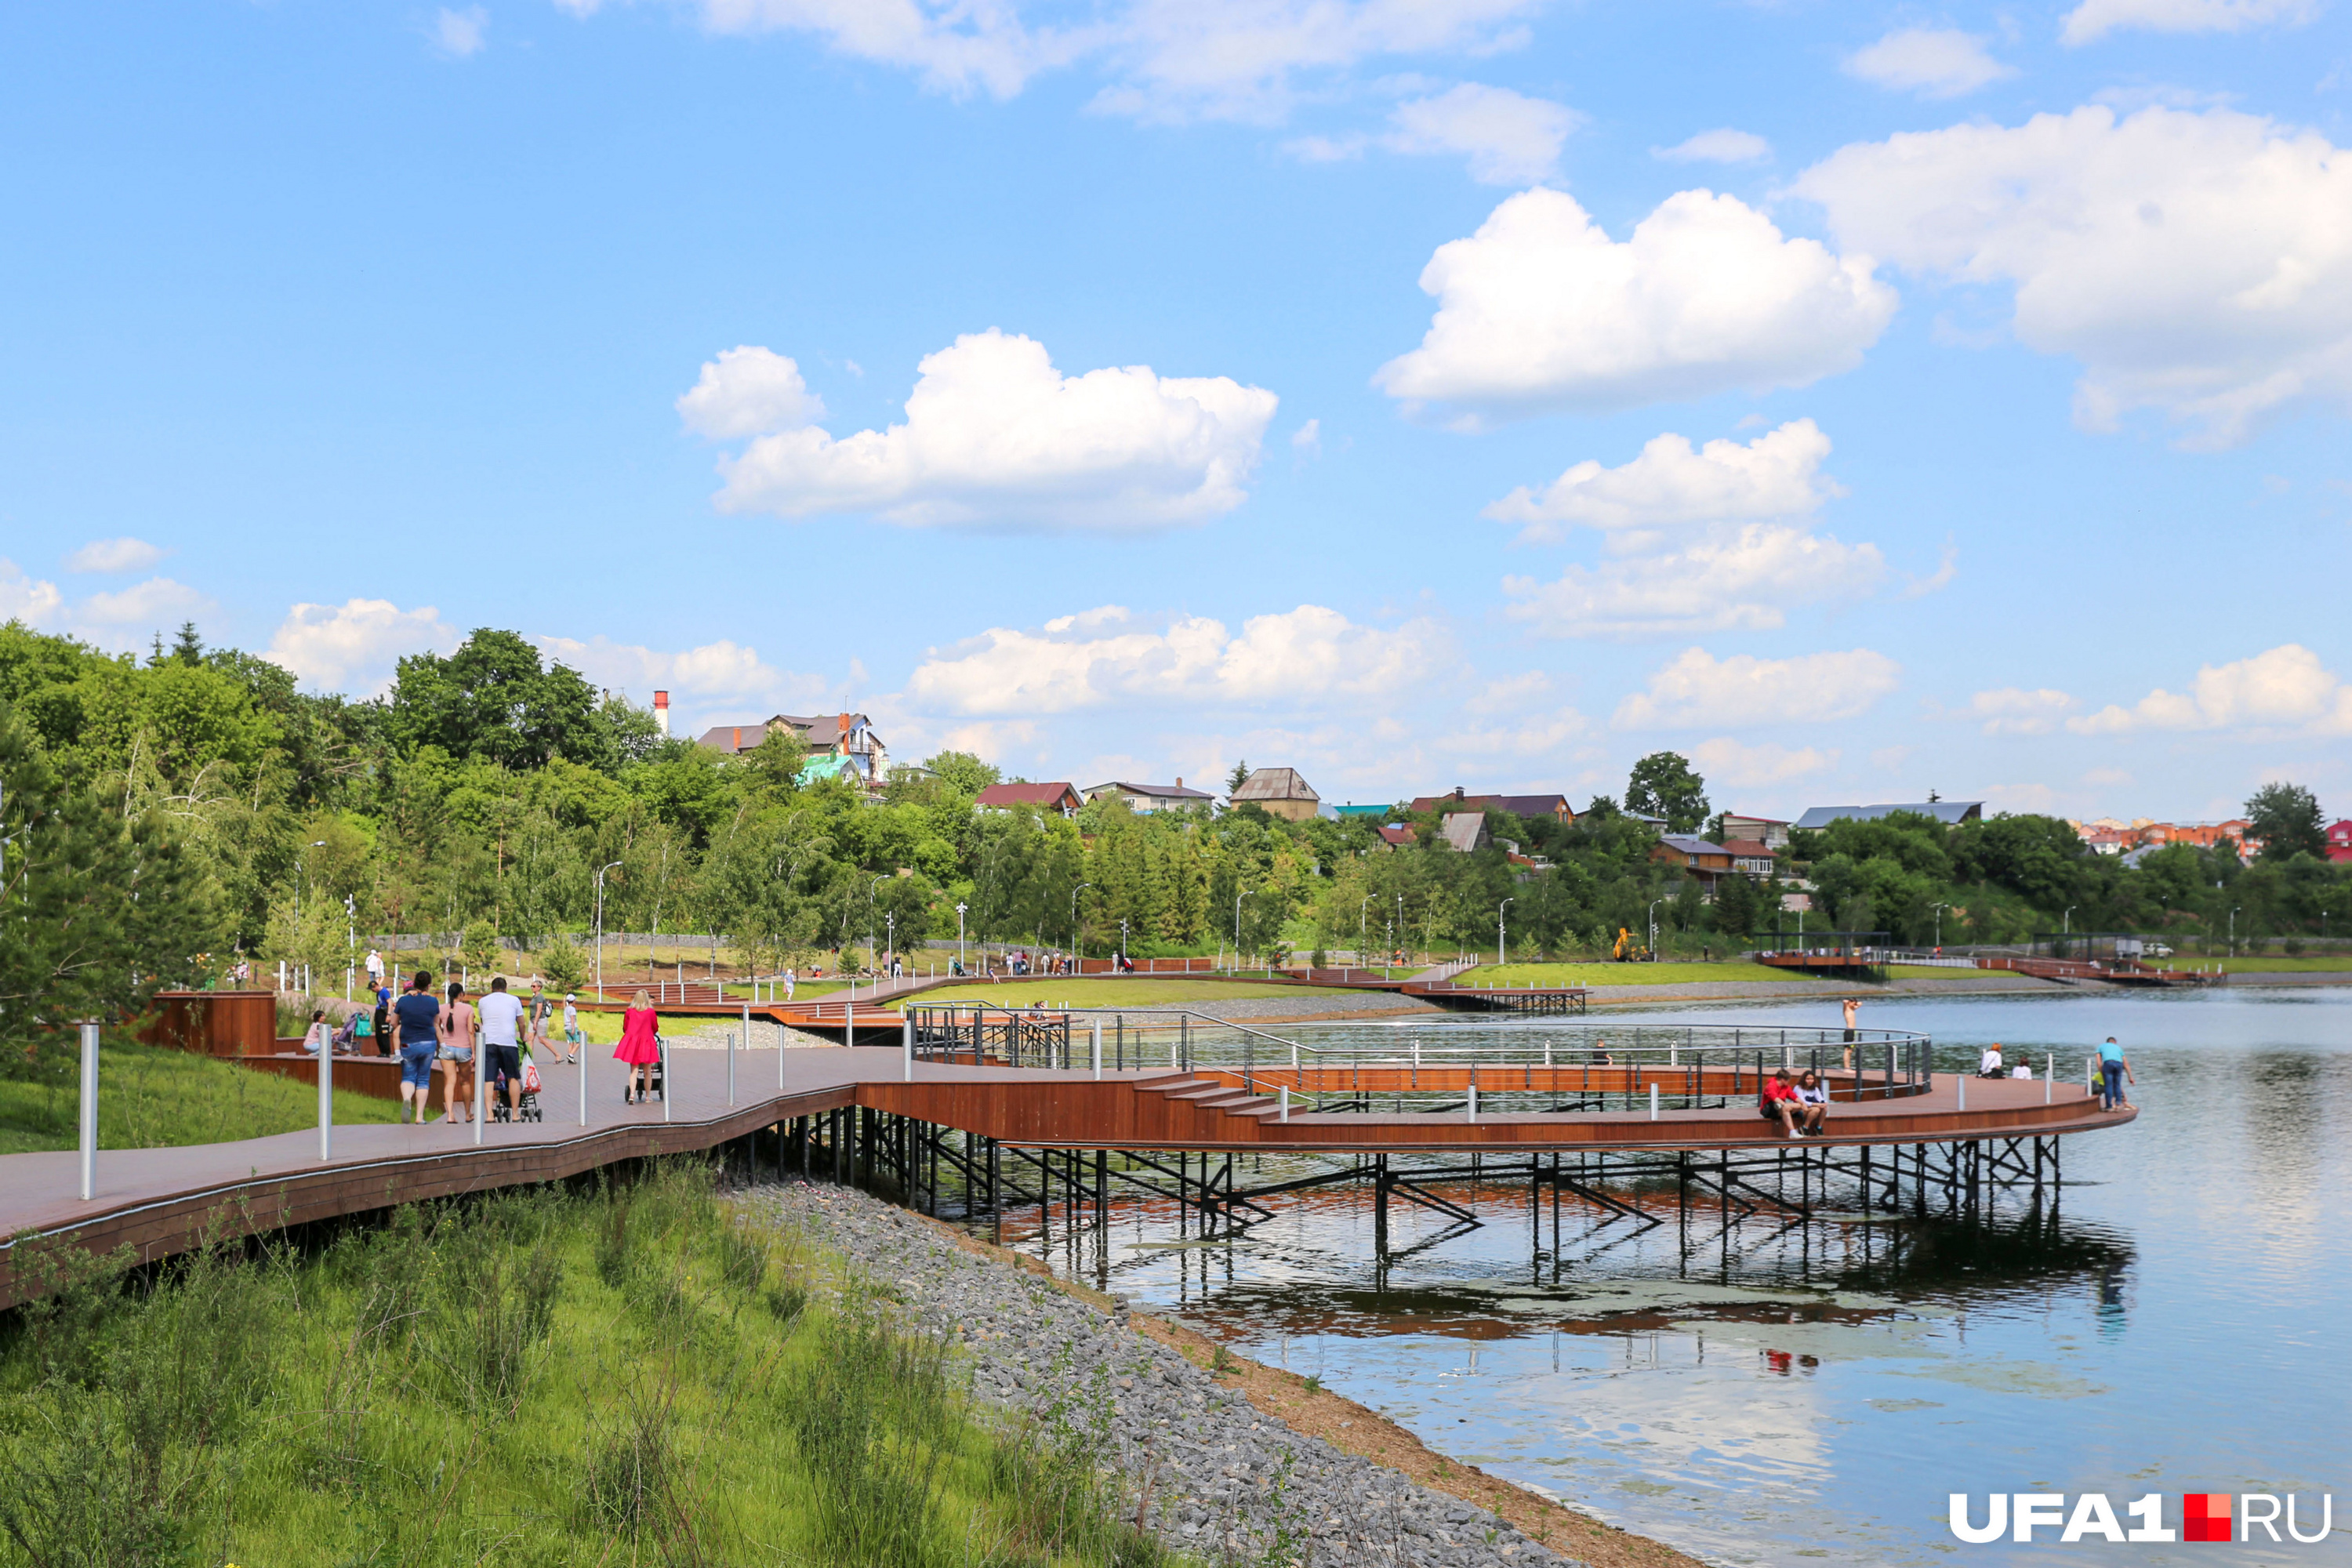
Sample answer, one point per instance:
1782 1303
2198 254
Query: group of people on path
449 1032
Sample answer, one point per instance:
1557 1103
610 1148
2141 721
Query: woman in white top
1988 1065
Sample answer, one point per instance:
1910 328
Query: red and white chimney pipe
661 712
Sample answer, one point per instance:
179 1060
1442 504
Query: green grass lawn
1661 974
1135 991
152 1098
632 1376
2305 965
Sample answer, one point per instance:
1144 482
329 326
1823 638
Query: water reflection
1762 1392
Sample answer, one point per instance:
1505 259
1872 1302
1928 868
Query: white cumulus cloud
1775 475
1720 146
1302 656
2013 710
1934 62
1723 760
155 605
29 599
1697 690
749 390
461 34
994 436
2286 687
352 647
1252 60
1743 578
1508 138
2095 19
2197 263
715 671
1541 308
124 554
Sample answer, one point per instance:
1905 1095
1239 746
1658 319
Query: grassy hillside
633 1376
151 1098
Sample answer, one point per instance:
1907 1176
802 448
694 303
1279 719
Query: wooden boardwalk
164 1200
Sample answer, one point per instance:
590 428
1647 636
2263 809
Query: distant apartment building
2339 841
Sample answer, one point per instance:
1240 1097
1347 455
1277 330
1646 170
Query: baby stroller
655 1088
525 1106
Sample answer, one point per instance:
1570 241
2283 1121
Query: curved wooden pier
868 1109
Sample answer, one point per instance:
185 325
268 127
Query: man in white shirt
501 1016
1989 1064
374 969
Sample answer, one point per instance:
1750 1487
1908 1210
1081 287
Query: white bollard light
481 1085
907 1048
584 1074
730 1066
89 1111
1654 1103
669 1090
2049 1076
1097 1048
1962 1079
1474 1102
1285 1102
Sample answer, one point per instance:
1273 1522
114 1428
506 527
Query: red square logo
2205 1516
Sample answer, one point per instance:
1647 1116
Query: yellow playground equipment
1627 950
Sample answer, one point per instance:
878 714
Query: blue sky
1861 400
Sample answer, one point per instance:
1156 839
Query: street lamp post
960 962
1502 942
1361 925
1654 929
890 931
2233 930
1939 926
1122 944
869 914
1081 888
1238 925
600 927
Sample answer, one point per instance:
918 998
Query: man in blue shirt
419 1013
2113 1068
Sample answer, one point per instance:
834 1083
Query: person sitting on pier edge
1778 1102
1601 1057
1813 1096
1989 1064
2113 1068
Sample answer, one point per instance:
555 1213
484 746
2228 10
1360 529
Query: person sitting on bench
1778 1102
1813 1096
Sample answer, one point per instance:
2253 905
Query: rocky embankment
1219 1479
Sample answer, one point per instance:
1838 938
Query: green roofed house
1367 813
832 765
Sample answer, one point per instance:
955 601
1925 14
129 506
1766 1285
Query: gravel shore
1217 1478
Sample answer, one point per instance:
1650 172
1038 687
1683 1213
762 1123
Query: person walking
419 1018
1852 1011
640 1048
2115 1068
540 1011
384 1041
458 1024
571 1041
791 979
374 969
503 1029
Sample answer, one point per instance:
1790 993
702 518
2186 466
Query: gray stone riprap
1223 1482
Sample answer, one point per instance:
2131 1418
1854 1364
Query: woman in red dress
638 1047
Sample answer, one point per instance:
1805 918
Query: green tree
492 698
962 772
2287 819
96 911
1664 784
1238 777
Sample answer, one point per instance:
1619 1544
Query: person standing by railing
2114 1068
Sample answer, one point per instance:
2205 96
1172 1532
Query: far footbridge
975 1113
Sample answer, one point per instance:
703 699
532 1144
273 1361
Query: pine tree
95 912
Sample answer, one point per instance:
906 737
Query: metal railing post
89 1111
327 1100
669 1090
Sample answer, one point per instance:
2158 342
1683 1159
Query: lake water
1769 1396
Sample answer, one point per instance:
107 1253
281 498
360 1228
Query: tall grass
631 1375
151 1097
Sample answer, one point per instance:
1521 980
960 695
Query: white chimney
661 712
